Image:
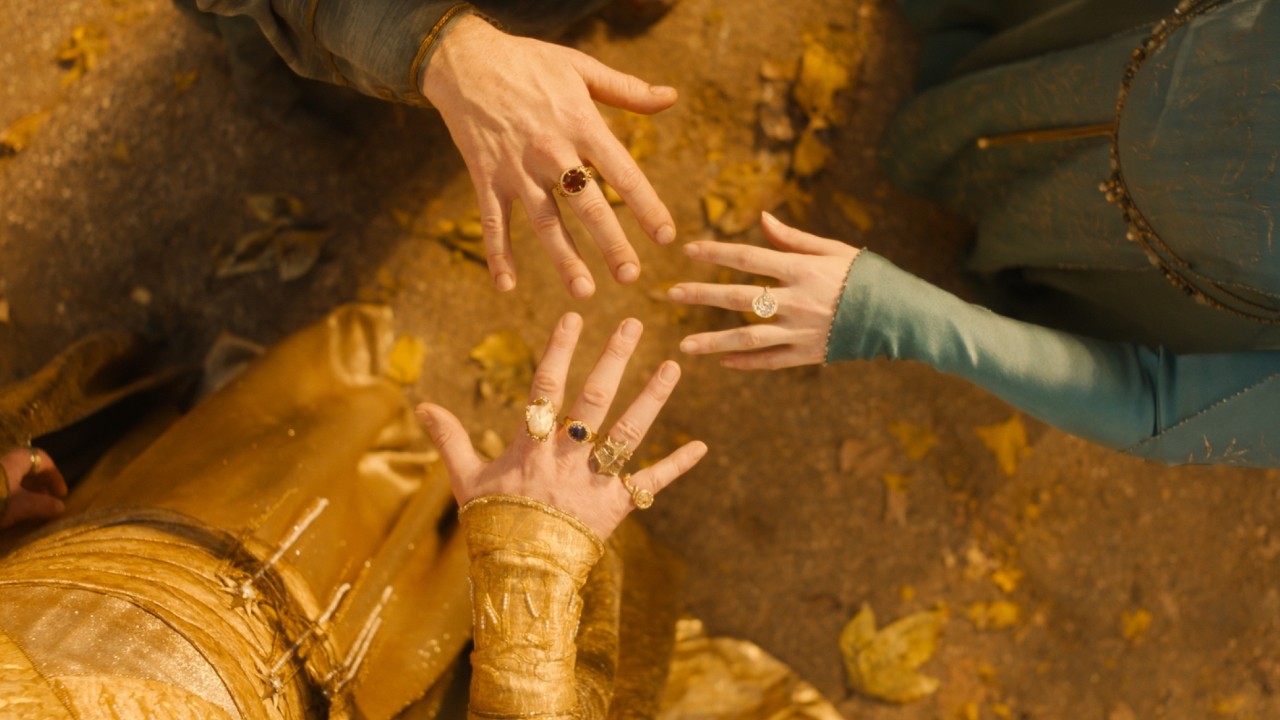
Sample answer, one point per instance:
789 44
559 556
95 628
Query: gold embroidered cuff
528 563
428 44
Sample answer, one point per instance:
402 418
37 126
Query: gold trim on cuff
428 42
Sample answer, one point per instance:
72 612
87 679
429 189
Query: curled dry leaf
18 135
1007 441
80 52
882 663
508 366
741 193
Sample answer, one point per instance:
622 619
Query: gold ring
765 305
641 497
35 462
578 431
609 456
575 180
540 419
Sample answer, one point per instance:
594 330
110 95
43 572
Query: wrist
456 39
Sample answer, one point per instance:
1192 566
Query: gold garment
289 549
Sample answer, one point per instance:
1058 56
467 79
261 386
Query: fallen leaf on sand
507 362
882 663
997 615
297 251
406 360
18 135
1006 579
1135 625
269 207
895 498
1007 441
811 153
80 52
823 74
741 193
916 440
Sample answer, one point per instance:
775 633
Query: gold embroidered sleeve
528 563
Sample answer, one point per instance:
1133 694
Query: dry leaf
406 360
811 154
1006 579
508 365
916 440
998 615
183 81
823 74
882 664
270 207
120 153
1230 705
895 498
252 252
853 210
18 135
1135 625
1007 441
740 193
80 52
297 251
907 593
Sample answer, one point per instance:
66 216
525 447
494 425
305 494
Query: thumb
621 90
785 237
451 438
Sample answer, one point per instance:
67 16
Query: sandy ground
1141 592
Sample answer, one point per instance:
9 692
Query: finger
48 481
747 258
728 297
555 238
621 90
620 170
632 425
553 368
32 506
659 475
451 438
775 358
592 404
598 217
742 339
495 223
787 238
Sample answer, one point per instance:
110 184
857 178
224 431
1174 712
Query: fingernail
581 287
666 235
661 89
688 346
505 282
677 293
425 417
631 329
769 218
692 249
572 321
669 372
628 272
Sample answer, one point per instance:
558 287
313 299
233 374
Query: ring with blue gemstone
578 431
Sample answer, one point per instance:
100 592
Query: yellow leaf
822 75
811 154
1007 441
18 135
916 440
183 81
715 207
471 229
1135 625
968 711
407 354
853 210
120 153
882 664
997 615
270 207
508 366
907 593
80 52
1230 705
1006 579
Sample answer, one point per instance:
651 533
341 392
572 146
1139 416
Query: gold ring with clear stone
641 497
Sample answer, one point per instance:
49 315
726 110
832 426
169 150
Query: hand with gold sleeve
31 487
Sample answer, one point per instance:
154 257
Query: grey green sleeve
378 47
1117 394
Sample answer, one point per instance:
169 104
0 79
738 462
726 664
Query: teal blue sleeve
1115 394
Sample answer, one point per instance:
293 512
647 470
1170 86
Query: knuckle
545 223
492 226
752 339
595 212
543 385
498 258
595 395
628 180
626 431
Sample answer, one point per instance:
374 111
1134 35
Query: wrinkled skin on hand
811 272
521 112
557 472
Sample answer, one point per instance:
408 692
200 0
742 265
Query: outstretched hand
522 112
811 271
558 471
36 488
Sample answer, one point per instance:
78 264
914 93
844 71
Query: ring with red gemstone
574 180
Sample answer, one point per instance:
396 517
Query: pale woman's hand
810 271
557 472
522 112
35 493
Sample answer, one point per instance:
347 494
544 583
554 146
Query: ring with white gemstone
540 419
765 305
641 497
